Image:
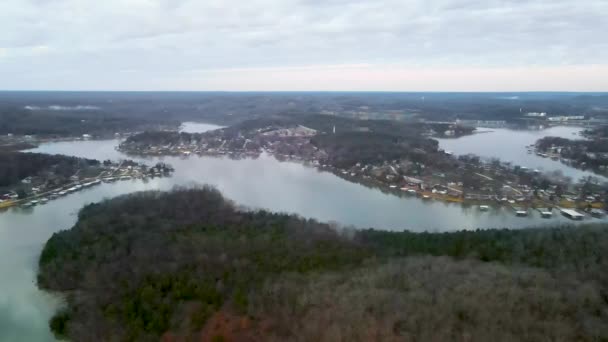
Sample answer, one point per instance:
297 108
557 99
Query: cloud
164 39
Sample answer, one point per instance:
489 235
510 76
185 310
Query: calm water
510 145
197 127
259 183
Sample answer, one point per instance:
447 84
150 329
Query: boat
597 213
521 213
545 212
484 207
426 197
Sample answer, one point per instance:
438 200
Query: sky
342 45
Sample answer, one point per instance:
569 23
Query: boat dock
572 214
545 212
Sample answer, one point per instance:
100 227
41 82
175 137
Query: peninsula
397 157
188 265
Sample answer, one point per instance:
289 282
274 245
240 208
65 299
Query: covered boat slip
572 214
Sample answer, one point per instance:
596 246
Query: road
492 179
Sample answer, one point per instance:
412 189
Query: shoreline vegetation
397 158
29 179
187 264
59 122
584 154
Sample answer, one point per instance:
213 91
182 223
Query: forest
190 264
15 166
344 150
72 123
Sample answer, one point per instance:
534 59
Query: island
28 179
189 265
400 158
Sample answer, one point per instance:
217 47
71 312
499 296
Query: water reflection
291 187
510 145
197 127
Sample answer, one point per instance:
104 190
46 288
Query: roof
572 213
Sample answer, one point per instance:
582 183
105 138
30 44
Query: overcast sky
408 45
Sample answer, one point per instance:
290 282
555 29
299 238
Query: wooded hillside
189 264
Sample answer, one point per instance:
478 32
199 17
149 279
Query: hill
189 264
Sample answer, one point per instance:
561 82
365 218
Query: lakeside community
416 168
427 173
47 186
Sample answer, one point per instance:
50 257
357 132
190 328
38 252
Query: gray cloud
43 41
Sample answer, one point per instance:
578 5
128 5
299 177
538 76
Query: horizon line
308 91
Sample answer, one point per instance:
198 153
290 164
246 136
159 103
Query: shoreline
403 192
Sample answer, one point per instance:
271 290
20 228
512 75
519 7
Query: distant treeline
15 166
229 108
72 123
188 264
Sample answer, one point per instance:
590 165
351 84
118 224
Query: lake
510 145
257 183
